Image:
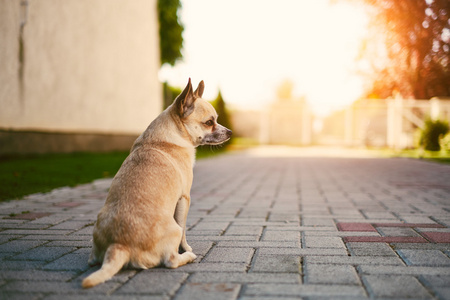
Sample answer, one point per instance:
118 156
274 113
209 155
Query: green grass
436 156
23 175
28 174
442 160
209 151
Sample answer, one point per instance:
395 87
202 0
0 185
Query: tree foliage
169 94
221 109
432 132
408 48
170 31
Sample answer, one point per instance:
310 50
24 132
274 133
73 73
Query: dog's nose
229 132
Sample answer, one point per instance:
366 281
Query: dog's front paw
177 260
191 255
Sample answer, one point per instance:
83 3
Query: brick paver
268 223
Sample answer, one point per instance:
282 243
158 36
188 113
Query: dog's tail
116 257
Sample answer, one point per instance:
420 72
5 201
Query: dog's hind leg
115 258
172 258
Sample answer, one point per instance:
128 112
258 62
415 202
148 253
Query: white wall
89 66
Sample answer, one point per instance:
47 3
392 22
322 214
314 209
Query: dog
143 221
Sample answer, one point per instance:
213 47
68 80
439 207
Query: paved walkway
267 224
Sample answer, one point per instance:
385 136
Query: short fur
143 222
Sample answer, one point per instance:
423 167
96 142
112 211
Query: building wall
287 121
79 66
246 123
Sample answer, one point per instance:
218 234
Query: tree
221 109
170 31
169 94
409 48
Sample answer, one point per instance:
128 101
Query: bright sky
247 48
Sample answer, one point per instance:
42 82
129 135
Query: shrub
445 143
432 132
224 118
221 108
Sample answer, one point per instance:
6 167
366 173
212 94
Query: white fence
392 122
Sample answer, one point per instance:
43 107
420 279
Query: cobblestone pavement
264 224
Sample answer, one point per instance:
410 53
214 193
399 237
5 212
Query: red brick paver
384 239
437 237
363 227
409 225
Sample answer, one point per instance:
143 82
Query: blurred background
90 75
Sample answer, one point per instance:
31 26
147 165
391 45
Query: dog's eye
209 123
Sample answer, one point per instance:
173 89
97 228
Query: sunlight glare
247 48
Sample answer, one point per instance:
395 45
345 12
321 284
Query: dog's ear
199 91
185 101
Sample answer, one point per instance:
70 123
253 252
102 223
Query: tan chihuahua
143 221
